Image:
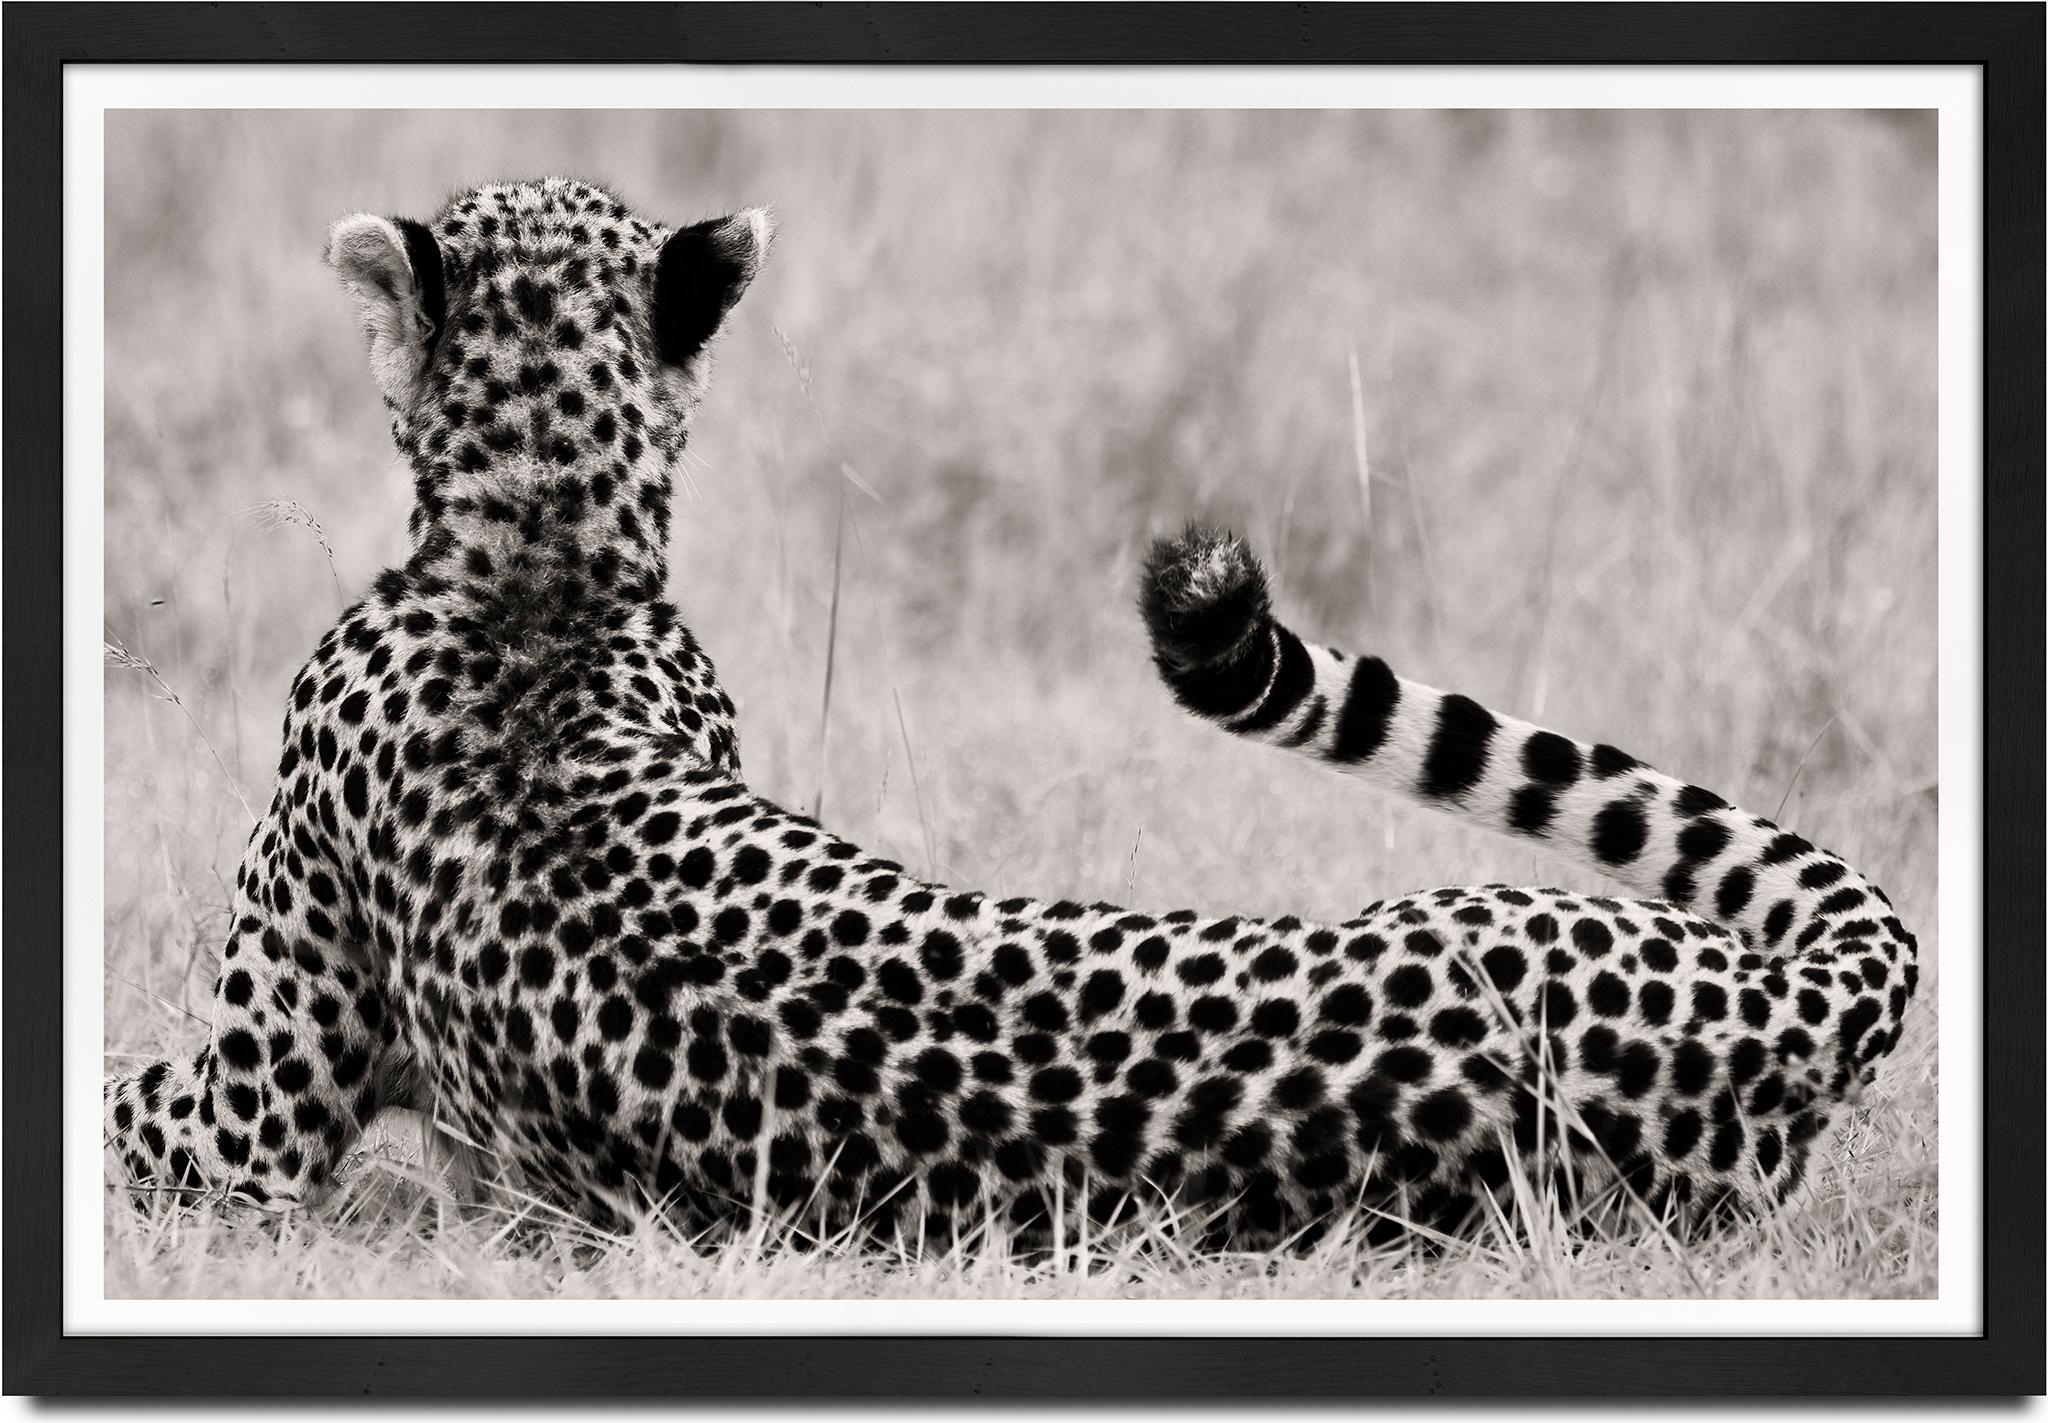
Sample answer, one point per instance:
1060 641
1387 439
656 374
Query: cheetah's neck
526 532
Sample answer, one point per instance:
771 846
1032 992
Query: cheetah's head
540 329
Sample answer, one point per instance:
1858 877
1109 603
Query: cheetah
512 877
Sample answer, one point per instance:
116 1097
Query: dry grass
1626 422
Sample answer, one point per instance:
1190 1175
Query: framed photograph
1024 700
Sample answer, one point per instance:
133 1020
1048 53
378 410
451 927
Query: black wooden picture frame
2005 43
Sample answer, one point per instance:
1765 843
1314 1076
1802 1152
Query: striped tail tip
1203 598
1213 635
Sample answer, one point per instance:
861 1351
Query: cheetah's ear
702 271
392 268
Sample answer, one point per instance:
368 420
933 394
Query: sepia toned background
1621 421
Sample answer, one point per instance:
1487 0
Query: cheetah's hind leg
291 1072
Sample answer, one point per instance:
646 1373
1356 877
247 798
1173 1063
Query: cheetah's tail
1227 659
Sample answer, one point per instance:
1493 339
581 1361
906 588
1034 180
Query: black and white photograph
1035 705
1023 700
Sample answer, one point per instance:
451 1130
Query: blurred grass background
1647 402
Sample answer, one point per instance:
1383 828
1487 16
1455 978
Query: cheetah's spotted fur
511 873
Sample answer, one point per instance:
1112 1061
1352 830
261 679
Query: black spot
1248 1148
1423 944
1458 1027
1056 1084
1860 1017
1557 1006
1443 1114
900 981
1769 1093
1608 996
1122 1122
1709 1002
1101 993
1458 748
1682 1134
1151 1078
355 791
1212 1014
1550 758
1532 809
921 1129
1727 1148
1692 1067
1822 873
1335 1045
1655 998
1349 1005
1778 921
1783 847
1275 1018
1372 1102
661 827
1300 1088
1619 832
1597 1048
1403 1064
1703 840
1592 937
1012 965
749 1036
1505 966
1274 964
1020 1159
941 955
987 1113
1368 707
1409 986
1609 762
1635 1068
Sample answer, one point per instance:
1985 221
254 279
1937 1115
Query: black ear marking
700 275
425 256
